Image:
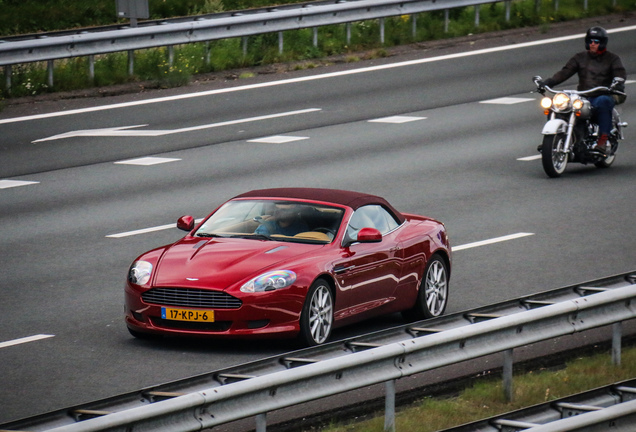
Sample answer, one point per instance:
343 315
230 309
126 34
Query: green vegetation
485 398
154 68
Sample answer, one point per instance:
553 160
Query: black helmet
598 33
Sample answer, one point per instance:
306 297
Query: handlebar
542 88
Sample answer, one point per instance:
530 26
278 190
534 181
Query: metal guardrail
218 26
612 407
255 388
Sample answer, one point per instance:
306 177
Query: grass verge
484 398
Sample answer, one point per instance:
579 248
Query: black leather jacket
594 70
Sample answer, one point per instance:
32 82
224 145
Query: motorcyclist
596 67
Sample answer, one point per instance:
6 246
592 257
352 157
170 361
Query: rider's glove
618 84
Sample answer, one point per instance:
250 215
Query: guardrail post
91 68
131 62
389 407
507 375
476 15
315 37
382 31
446 19
413 26
348 30
280 42
556 5
170 55
49 73
261 422
7 78
617 334
507 3
244 40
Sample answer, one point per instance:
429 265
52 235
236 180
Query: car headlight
561 102
270 281
139 273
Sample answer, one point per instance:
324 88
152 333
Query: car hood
221 263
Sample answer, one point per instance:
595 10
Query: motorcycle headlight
139 273
546 103
561 102
577 104
270 281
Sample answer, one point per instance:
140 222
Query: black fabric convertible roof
351 199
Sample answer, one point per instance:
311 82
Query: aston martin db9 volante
290 262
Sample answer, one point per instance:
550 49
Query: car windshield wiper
208 235
254 236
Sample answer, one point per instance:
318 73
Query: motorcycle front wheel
552 155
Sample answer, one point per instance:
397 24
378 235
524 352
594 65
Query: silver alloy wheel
320 314
436 288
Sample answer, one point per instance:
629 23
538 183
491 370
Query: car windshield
274 220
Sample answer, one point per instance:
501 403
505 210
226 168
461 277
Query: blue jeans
603 106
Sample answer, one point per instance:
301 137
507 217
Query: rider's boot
603 146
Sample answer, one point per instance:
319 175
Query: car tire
432 296
316 318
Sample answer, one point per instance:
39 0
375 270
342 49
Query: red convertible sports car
290 262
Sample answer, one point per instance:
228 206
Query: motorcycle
570 133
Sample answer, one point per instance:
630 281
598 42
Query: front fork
567 145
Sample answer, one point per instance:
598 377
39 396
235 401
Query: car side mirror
185 223
369 235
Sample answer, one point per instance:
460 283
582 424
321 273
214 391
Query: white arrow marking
125 131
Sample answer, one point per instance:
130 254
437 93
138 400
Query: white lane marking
278 139
146 230
396 119
5 184
147 161
126 130
25 340
529 158
507 100
491 241
307 78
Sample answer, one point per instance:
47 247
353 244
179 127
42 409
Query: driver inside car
285 221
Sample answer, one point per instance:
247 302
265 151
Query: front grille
191 297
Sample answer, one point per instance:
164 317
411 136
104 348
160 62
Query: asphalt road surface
87 185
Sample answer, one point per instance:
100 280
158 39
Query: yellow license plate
187 315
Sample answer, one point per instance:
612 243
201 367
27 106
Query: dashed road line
506 101
146 230
25 340
491 241
278 139
529 158
6 184
147 161
397 119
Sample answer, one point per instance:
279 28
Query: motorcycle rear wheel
552 155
